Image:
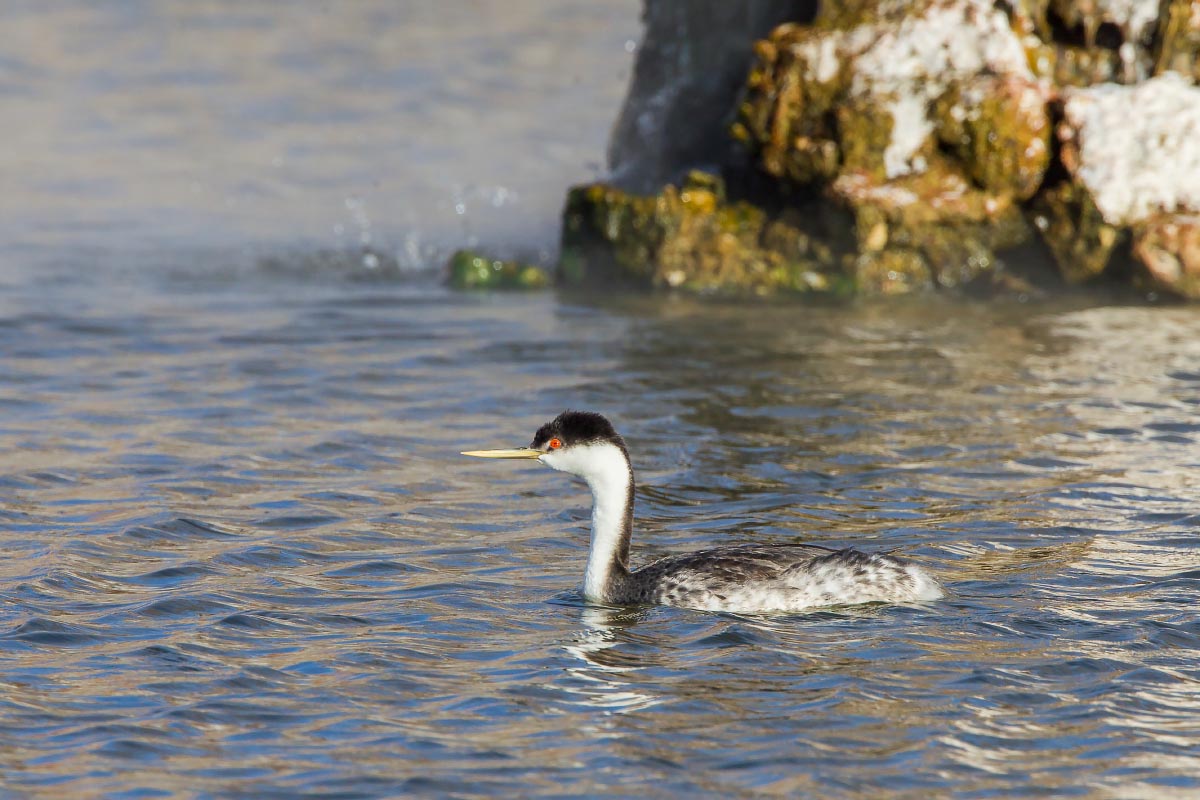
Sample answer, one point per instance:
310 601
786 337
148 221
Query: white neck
606 470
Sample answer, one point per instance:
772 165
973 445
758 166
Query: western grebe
746 579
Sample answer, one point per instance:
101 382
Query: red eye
554 443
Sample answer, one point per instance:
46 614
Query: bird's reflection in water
605 677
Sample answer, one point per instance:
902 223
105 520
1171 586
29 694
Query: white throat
606 469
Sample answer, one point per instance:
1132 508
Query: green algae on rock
999 130
923 121
890 61
690 237
1076 44
932 229
469 270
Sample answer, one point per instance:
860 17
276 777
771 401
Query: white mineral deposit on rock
1136 148
909 64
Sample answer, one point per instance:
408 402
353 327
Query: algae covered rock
930 230
999 130
887 63
469 270
789 115
1079 44
925 122
894 271
689 237
927 133
930 122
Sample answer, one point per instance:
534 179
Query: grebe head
584 443
581 443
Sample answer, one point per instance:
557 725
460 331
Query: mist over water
411 127
242 557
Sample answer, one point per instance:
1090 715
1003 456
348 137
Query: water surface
245 559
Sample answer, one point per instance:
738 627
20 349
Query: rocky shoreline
881 147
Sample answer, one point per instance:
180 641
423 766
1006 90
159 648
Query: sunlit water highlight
244 559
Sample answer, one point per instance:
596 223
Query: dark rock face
689 73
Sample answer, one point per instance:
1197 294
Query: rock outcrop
913 144
692 238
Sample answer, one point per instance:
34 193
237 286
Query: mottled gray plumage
779 577
720 571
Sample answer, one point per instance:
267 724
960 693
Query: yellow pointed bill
521 452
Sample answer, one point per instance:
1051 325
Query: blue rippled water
243 558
